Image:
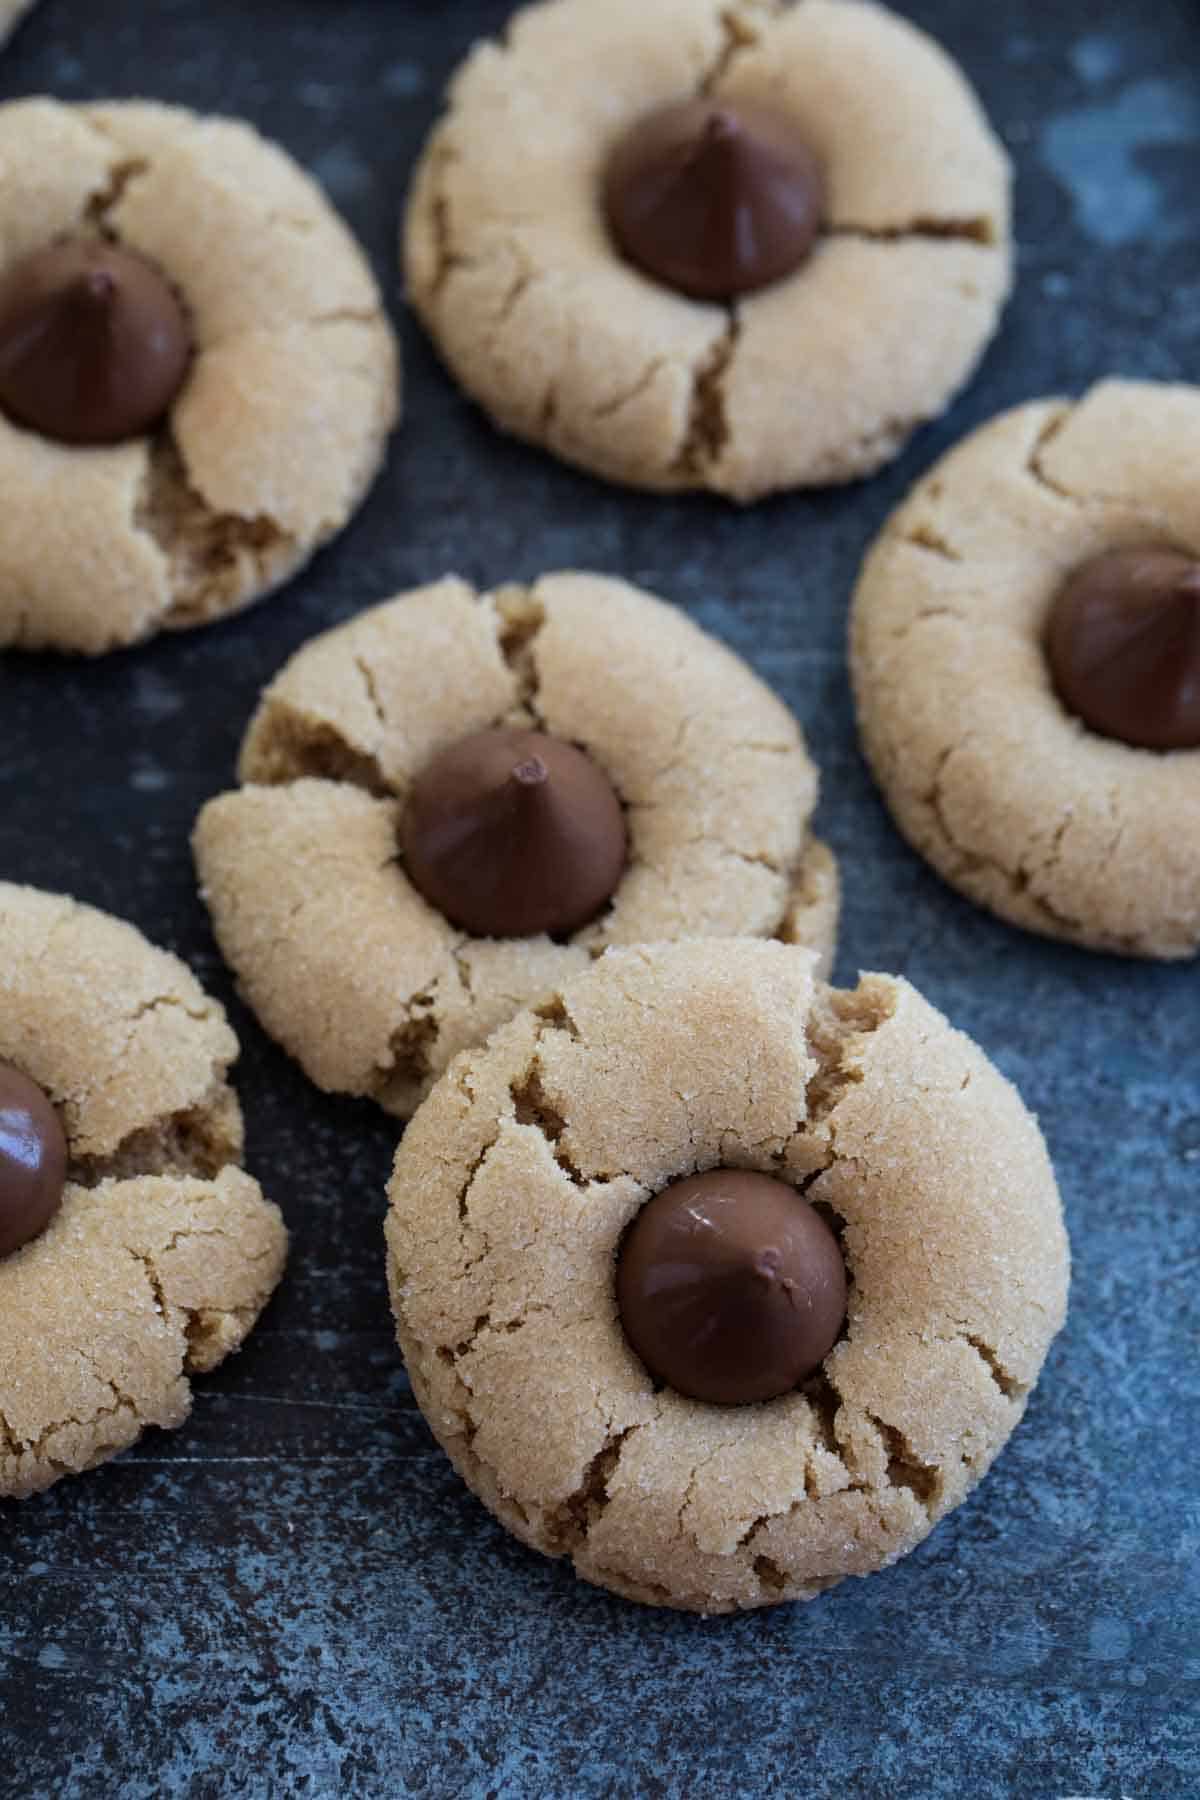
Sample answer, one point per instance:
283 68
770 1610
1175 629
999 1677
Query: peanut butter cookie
197 379
457 799
723 1283
694 244
134 1252
1025 646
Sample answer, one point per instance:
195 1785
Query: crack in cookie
211 556
567 1528
1009 1386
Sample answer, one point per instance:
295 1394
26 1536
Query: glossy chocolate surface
94 344
1124 647
511 833
33 1160
731 1287
715 200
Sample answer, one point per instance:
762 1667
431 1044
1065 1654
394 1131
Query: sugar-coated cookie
519 1194
154 1260
1025 647
132 520
344 947
720 370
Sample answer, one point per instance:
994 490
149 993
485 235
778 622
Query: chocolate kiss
1123 645
33 1160
715 200
730 1287
94 346
512 833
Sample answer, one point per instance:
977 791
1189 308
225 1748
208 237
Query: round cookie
344 962
513 1190
281 423
1012 799
163 1251
819 378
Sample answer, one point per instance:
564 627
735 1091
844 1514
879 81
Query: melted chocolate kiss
715 200
1124 647
731 1288
33 1160
94 346
512 833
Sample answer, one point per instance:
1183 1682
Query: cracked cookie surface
342 960
282 423
819 379
1013 801
164 1251
516 1180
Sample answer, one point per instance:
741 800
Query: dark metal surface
293 1594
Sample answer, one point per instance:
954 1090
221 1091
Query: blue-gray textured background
293 1594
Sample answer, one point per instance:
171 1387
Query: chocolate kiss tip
531 773
97 285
